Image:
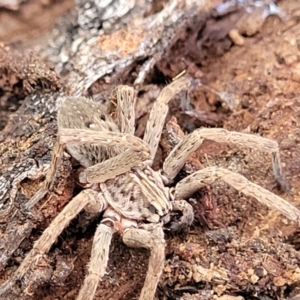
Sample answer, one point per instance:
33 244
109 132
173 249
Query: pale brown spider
119 180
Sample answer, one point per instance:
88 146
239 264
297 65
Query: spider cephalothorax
119 181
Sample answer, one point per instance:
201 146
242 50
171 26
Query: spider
118 180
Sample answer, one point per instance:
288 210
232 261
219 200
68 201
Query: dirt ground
249 88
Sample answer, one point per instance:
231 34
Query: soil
249 88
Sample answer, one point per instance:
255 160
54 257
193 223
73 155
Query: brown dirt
262 80
31 21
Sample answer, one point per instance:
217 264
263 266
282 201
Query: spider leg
192 142
112 167
103 138
124 97
57 154
87 198
207 176
153 240
135 152
98 263
159 112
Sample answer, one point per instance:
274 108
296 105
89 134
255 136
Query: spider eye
89 125
103 118
152 209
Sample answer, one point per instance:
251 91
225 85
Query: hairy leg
122 103
98 263
153 240
103 138
112 167
137 152
159 112
57 154
207 176
193 141
87 198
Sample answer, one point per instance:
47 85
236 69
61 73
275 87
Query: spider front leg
122 103
88 198
133 151
192 142
159 112
208 176
153 240
113 167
